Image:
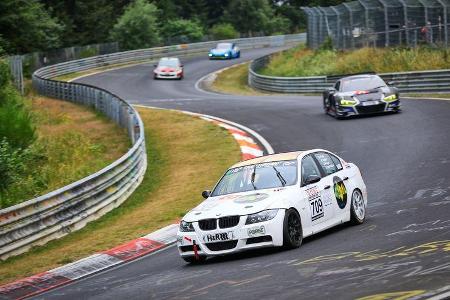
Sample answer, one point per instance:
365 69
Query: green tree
182 31
85 21
137 27
250 16
223 31
27 26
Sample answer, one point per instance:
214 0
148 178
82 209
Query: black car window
325 162
309 168
337 85
362 83
337 162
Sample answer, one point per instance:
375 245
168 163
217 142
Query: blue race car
225 51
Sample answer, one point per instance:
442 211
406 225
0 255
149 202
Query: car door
313 194
334 180
344 176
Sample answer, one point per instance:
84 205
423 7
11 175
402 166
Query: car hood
166 69
219 51
240 203
368 95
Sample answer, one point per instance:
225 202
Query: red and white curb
249 148
134 249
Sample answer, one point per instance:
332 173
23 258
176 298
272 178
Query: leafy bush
327 44
183 31
15 119
223 31
137 27
17 173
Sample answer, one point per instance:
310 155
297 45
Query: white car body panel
316 203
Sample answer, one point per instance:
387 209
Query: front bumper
171 75
380 107
219 56
258 235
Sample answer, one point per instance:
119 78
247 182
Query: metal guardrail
60 212
436 81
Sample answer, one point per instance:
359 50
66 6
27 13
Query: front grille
370 109
207 224
227 222
222 245
259 239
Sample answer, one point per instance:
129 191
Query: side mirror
390 82
181 65
312 179
155 65
331 90
205 194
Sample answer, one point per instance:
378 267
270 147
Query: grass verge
234 81
300 61
442 96
185 156
72 142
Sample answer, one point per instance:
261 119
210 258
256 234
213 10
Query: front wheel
357 209
292 229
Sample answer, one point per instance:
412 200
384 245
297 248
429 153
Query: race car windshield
223 46
266 175
168 63
362 84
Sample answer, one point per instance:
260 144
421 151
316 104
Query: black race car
359 95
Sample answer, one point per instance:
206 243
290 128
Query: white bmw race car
274 200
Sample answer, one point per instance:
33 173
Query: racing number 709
316 209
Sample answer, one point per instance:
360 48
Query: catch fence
380 23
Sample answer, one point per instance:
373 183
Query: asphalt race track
403 247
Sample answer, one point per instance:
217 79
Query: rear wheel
292 229
357 209
193 260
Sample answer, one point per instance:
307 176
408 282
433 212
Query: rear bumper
245 237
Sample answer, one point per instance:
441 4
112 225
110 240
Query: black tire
355 212
325 107
292 229
193 260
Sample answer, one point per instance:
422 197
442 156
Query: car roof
168 58
269 158
362 76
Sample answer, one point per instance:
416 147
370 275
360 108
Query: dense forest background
38 25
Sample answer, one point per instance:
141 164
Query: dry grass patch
185 156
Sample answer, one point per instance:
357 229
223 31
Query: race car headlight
348 102
209 54
186 226
262 216
226 54
390 98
